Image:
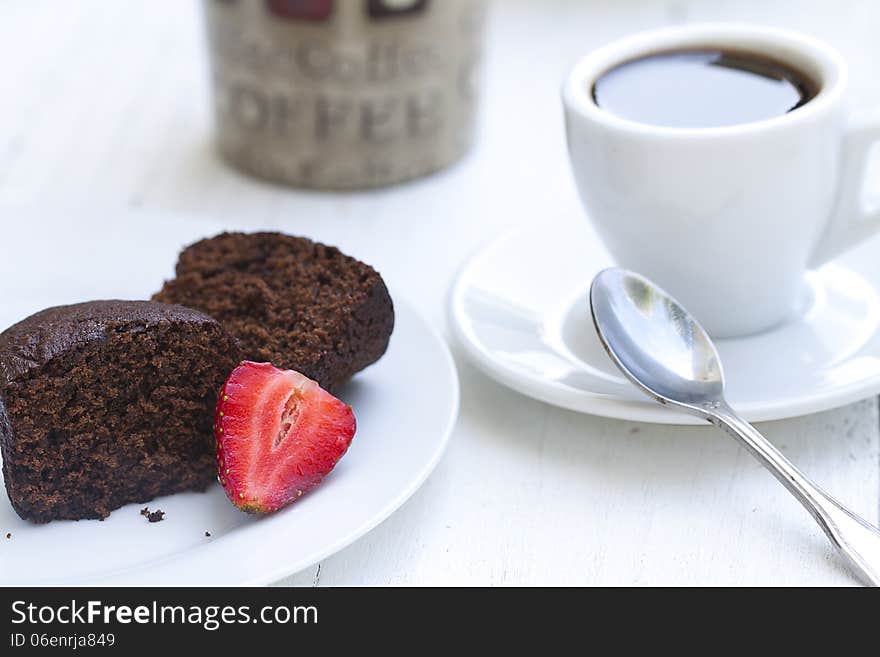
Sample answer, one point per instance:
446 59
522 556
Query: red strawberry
278 435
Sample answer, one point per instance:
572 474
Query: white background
105 103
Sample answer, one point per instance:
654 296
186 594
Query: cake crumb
153 516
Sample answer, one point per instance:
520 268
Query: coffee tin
344 94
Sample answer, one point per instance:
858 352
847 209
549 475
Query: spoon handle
855 538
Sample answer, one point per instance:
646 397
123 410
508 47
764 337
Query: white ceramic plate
406 406
519 308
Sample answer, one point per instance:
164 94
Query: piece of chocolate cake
108 402
291 302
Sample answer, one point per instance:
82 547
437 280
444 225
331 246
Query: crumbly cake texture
290 301
106 403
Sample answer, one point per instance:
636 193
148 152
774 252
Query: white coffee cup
727 219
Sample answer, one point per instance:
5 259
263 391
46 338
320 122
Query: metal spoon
667 354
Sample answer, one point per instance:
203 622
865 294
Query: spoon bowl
656 343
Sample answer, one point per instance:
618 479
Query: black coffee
701 89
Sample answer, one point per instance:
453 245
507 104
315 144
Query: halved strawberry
278 435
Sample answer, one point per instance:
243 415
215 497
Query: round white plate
406 405
519 308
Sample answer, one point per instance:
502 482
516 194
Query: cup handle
851 222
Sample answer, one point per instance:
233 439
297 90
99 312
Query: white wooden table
106 102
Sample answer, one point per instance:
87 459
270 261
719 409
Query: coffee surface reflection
701 89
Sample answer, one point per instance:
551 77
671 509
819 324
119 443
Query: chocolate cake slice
291 302
108 402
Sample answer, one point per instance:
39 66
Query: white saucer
519 308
